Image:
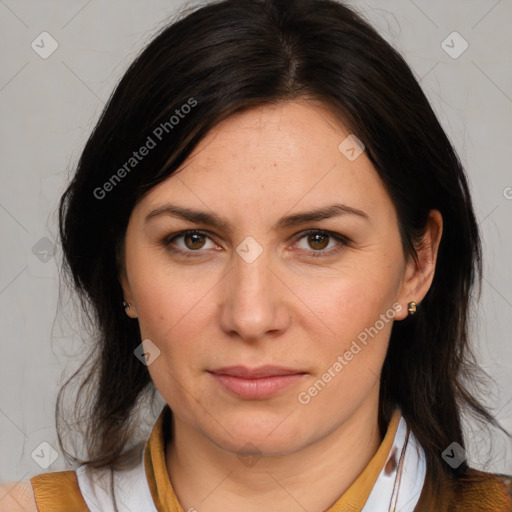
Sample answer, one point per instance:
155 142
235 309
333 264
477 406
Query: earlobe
127 303
129 309
420 270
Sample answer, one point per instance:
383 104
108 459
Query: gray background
49 106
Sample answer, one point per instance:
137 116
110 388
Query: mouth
256 383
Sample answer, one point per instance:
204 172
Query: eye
194 241
319 240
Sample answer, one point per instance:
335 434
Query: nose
255 301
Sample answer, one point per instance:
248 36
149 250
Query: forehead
281 133
273 158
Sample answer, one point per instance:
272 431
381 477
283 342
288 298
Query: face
312 297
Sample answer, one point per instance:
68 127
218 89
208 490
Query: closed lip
256 373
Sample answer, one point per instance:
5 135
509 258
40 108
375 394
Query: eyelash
343 240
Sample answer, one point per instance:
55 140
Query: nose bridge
251 272
252 304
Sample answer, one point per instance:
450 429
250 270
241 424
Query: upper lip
255 373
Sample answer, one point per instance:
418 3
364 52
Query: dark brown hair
233 55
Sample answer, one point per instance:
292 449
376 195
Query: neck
208 478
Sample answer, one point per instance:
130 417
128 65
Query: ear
131 311
419 272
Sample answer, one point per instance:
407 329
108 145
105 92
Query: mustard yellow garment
58 492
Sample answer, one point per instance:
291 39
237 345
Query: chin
262 433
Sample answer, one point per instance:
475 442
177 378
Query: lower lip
263 387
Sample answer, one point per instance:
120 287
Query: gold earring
411 307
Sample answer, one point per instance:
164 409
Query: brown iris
313 238
195 237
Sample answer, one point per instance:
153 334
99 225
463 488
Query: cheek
173 310
163 294
350 358
355 301
169 313
359 311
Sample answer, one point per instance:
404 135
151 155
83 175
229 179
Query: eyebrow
213 220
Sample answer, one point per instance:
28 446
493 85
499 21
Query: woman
271 229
